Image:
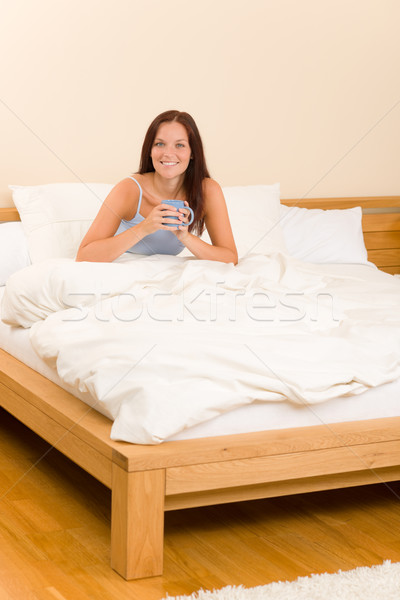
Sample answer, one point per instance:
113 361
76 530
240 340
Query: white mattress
374 403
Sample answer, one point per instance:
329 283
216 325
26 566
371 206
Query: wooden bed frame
148 480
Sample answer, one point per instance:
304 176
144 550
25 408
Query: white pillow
324 236
56 216
13 250
254 215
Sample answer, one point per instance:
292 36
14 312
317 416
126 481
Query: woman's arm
100 244
216 219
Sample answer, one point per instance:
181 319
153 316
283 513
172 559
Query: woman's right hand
159 216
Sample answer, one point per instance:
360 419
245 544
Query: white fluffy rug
381 582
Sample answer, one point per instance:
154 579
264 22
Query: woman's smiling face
171 151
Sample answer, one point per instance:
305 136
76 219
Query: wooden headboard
381 224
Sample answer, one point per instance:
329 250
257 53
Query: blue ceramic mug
178 204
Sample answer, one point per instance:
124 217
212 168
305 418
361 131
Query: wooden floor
55 533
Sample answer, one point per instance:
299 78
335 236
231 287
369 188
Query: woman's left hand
182 232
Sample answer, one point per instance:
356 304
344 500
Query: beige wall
305 92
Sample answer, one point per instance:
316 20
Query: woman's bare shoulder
127 188
123 198
210 186
213 194
127 183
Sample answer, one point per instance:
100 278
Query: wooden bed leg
137 522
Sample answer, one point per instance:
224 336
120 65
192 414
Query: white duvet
161 343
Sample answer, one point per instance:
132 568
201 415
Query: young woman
133 217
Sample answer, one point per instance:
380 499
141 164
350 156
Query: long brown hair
197 168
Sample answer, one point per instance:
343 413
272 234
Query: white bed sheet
379 402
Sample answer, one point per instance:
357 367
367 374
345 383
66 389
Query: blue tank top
159 242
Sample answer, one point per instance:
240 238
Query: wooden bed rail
148 480
381 224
